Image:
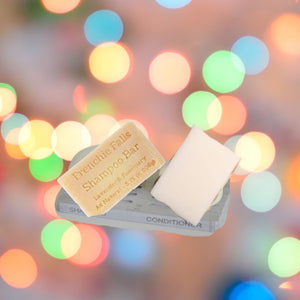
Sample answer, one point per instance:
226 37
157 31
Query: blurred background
72 71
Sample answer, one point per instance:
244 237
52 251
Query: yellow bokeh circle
99 127
8 102
169 72
69 138
110 62
35 139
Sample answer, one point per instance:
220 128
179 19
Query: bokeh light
110 62
133 249
223 71
46 169
8 87
292 178
61 238
11 126
169 72
14 151
239 173
232 141
287 285
18 268
266 146
94 246
96 106
284 257
8 100
48 199
138 124
35 139
253 53
69 138
250 153
202 109
70 241
60 6
173 3
251 290
99 127
256 149
261 191
79 100
285 32
103 26
233 116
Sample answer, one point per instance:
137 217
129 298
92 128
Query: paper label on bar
112 170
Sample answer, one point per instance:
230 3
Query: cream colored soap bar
112 170
195 175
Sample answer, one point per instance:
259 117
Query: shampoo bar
106 175
195 175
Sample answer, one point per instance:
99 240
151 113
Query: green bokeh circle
8 87
46 169
51 237
194 109
223 71
97 106
284 257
